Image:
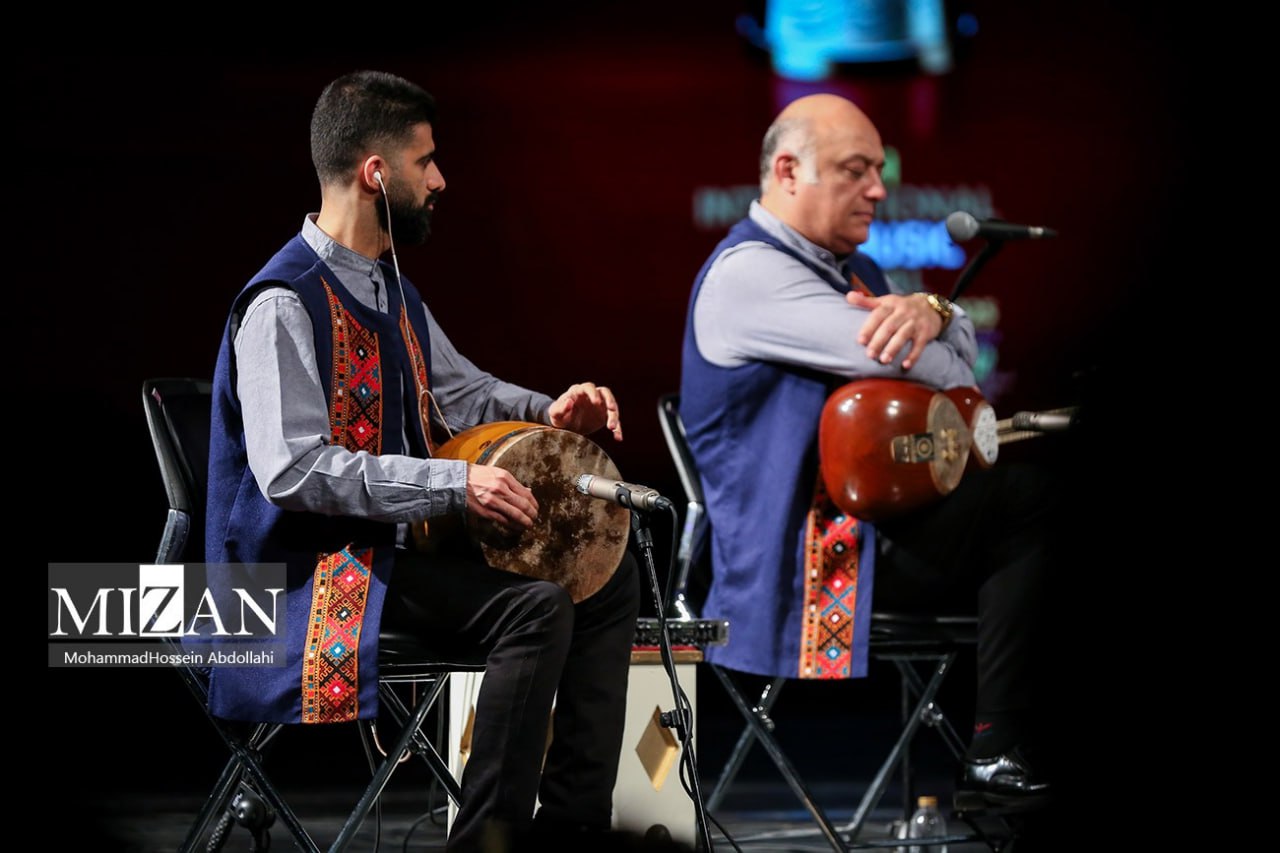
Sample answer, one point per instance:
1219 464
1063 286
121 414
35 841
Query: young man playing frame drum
331 385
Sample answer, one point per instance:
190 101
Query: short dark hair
360 111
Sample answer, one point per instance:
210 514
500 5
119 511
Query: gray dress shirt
286 418
759 304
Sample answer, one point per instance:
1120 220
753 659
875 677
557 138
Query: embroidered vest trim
830 589
330 668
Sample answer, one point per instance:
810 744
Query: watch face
942 306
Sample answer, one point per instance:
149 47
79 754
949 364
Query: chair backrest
178 415
695 530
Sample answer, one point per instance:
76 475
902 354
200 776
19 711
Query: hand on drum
586 407
495 494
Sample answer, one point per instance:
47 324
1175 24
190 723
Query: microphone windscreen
962 226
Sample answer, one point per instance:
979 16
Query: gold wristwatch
943 306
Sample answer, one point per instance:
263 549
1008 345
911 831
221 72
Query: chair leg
784 765
740 749
938 720
388 766
908 776
220 796
245 757
923 707
267 790
216 802
422 746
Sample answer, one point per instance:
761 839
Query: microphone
623 494
964 226
1043 421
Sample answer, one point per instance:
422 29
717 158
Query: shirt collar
338 257
793 239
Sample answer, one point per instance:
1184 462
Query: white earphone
377 176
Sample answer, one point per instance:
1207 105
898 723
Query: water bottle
927 822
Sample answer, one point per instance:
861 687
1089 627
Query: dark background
161 177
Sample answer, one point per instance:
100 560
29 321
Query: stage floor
758 816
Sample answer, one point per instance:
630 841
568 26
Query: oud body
889 446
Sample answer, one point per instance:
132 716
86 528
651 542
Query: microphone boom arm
974 266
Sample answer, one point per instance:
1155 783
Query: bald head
824 107
798 126
820 171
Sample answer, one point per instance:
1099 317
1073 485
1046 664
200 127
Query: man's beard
410 224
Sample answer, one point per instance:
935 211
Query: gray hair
795 136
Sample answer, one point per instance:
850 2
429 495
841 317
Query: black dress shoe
1004 780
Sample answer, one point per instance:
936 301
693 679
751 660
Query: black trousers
992 537
540 647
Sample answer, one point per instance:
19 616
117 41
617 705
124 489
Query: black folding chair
923 648
178 416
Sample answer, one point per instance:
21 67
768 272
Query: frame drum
577 540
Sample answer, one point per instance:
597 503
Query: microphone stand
681 718
974 266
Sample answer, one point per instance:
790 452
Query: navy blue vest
753 430
362 349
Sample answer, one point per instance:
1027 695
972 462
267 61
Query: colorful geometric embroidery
419 377
830 590
355 403
330 666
